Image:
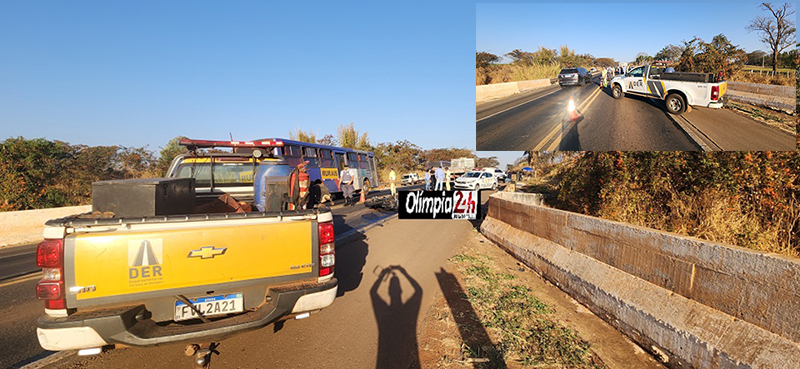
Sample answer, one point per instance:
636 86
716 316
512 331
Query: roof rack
193 145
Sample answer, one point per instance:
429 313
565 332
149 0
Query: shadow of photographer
397 319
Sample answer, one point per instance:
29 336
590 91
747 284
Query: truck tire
675 104
616 91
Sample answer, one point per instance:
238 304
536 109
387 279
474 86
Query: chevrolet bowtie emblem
207 252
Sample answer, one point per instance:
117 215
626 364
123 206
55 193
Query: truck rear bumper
130 325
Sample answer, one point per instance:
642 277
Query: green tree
520 57
167 154
327 140
777 31
483 59
567 57
28 170
302 136
670 53
487 162
545 55
605 62
349 137
719 56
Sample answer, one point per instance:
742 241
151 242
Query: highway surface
21 308
538 120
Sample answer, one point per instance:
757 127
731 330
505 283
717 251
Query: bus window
310 155
362 161
292 155
326 158
340 161
352 159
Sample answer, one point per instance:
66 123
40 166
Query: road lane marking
556 128
516 106
33 275
585 105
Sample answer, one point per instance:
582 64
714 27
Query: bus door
339 166
373 166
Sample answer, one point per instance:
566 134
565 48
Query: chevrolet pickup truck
678 90
192 278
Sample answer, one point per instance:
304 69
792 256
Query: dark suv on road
574 76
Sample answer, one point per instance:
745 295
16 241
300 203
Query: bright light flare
571 105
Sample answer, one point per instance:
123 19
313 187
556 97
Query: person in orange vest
298 186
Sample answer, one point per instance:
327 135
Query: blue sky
618 30
138 73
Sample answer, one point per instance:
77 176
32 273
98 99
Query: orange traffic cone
360 200
572 111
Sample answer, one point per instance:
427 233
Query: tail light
50 257
714 92
327 248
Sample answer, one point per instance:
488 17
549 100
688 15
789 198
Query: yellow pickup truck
191 278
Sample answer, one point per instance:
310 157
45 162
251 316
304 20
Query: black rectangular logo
439 204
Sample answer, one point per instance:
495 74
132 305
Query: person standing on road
392 178
439 178
346 185
427 180
447 176
604 73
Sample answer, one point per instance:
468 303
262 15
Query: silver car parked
574 76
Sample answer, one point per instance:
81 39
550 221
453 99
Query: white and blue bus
326 162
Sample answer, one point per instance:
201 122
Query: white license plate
210 306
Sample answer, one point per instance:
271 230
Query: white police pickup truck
678 90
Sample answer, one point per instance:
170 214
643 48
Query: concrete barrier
694 303
493 91
20 227
779 97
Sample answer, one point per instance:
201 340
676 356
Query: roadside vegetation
39 173
776 30
524 328
747 199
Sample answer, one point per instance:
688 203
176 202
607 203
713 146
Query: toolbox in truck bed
144 197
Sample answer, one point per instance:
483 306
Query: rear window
225 174
568 70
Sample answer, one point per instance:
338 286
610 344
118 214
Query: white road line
516 106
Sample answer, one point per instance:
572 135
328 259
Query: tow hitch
202 353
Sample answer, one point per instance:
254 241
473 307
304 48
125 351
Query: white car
409 179
476 180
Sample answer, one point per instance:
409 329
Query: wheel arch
686 98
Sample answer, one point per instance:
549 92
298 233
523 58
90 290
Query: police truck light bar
204 144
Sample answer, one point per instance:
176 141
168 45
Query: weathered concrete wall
779 97
493 91
704 303
762 89
26 226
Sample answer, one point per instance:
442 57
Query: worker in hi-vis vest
392 178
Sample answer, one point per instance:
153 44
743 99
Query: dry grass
708 215
513 73
526 330
780 80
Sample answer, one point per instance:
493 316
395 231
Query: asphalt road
387 282
538 120
21 308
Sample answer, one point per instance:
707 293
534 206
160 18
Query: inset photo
636 77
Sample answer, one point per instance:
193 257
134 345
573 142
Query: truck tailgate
126 264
